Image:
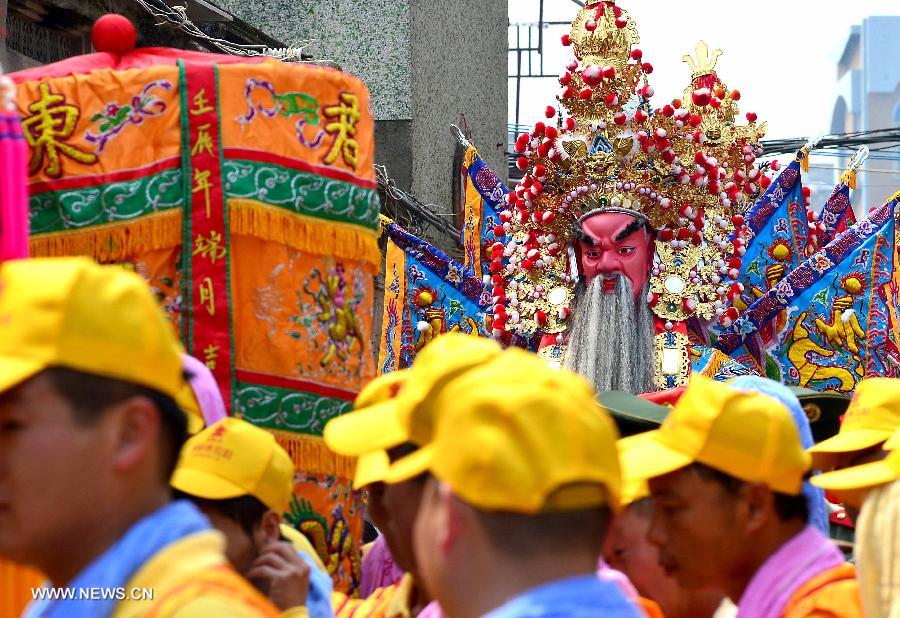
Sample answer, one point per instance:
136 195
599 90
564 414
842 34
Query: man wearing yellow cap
871 418
874 488
242 480
725 470
90 371
378 432
628 550
522 476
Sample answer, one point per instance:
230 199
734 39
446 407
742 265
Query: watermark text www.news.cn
92 594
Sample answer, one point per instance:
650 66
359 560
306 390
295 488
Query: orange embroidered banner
254 221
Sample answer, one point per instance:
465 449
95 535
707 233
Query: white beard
611 339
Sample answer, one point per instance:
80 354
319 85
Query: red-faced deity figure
615 243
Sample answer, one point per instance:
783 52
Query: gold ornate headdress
687 168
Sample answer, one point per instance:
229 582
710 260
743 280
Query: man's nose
656 534
608 262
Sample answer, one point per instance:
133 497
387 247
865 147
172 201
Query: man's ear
458 520
760 505
135 425
270 527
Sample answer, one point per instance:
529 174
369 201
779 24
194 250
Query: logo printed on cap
211 448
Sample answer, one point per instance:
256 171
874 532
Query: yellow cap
384 425
74 313
893 442
746 435
865 476
871 418
516 435
233 458
371 467
633 489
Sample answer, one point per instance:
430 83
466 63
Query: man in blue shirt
524 475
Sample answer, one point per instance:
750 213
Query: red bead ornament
113 33
751 117
592 75
701 97
549 112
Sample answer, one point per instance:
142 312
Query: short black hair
519 534
91 395
786 507
246 510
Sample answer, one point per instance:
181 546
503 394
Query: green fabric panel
286 410
301 192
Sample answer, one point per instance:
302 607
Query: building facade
867 98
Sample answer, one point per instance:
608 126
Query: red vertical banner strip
206 243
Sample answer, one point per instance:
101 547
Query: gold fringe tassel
113 241
305 233
310 454
849 178
120 240
804 161
471 153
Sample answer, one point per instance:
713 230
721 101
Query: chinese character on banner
343 127
51 122
210 354
211 248
204 143
207 296
201 178
201 105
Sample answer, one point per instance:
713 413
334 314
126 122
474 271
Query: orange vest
16 582
833 594
650 608
388 602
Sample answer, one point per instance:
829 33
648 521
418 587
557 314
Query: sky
781 55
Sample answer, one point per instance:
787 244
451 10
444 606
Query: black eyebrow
629 229
580 235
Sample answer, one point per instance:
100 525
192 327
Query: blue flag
426 294
839 311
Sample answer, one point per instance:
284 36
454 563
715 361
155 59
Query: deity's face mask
615 244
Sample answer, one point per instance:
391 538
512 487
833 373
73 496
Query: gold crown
687 168
606 43
704 63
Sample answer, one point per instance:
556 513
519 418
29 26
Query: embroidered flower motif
783 291
821 262
454 274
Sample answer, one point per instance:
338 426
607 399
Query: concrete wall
368 39
425 63
458 67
